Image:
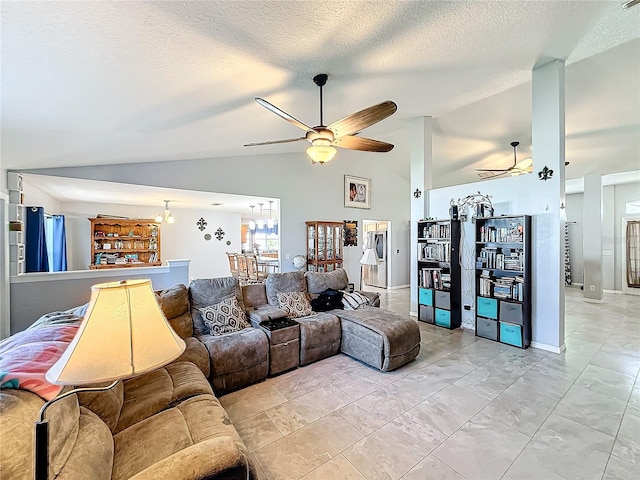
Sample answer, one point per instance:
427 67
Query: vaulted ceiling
87 83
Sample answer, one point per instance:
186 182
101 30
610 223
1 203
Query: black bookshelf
439 273
503 279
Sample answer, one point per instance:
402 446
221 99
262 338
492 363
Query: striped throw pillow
353 301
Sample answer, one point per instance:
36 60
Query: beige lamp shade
370 257
123 334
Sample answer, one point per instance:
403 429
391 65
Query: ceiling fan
518 168
343 133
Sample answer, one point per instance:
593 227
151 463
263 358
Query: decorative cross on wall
202 224
219 234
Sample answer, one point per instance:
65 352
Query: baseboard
549 348
398 287
413 314
616 292
592 300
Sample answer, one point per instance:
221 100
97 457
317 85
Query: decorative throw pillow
224 317
353 301
296 304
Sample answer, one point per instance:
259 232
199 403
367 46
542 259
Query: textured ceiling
87 83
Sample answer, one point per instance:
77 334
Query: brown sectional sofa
165 424
168 423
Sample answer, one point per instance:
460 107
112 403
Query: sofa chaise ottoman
379 337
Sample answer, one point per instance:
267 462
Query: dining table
268 264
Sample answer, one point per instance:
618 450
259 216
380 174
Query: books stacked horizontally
509 288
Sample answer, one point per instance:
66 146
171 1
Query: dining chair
242 268
233 263
254 275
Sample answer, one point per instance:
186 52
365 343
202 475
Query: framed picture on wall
357 192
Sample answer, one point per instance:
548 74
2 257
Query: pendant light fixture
252 223
270 223
166 217
260 221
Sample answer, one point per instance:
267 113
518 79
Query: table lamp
124 334
370 257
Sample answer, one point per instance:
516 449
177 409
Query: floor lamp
124 334
370 258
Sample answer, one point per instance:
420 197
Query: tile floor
466 408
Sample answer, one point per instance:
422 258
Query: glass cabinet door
311 242
321 243
329 243
338 242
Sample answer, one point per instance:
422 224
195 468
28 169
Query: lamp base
41 465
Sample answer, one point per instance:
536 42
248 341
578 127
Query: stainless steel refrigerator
373 275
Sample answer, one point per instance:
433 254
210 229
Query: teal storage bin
487 307
425 296
443 318
511 334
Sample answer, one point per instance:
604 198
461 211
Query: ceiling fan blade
283 114
270 142
361 143
503 170
364 118
485 175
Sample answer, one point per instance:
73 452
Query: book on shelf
511 234
436 252
501 258
433 278
436 230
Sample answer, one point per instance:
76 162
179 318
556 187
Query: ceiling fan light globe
321 153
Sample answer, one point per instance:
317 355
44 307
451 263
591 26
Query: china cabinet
324 246
117 243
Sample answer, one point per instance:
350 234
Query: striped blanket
26 356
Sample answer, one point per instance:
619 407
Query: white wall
622 193
574 208
307 192
34 197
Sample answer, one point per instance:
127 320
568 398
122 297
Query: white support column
548 137
592 238
421 131
608 238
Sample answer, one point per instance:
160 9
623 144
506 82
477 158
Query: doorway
631 256
376 236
